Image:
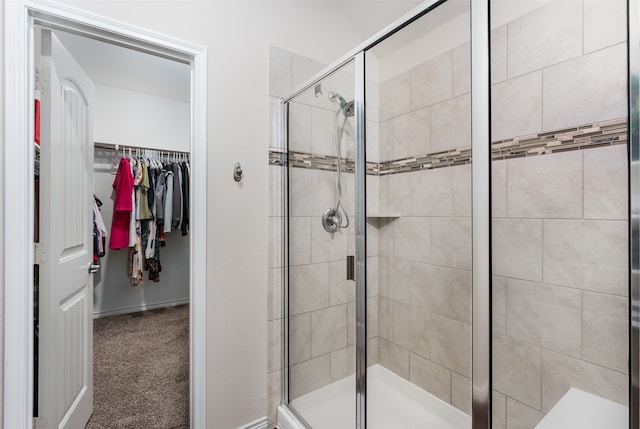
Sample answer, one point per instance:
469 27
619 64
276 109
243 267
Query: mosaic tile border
606 133
316 162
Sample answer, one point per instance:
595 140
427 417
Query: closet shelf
384 215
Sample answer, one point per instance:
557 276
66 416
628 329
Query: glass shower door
321 238
419 238
560 224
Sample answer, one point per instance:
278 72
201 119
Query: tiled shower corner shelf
384 215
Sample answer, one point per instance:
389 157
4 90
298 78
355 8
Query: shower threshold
392 402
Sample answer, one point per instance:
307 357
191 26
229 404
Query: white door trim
20 16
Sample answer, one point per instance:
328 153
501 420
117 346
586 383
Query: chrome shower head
334 96
347 107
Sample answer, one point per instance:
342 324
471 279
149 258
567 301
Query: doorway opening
138 115
21 20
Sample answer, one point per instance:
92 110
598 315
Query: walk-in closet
135 109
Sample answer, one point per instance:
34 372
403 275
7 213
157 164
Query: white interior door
65 390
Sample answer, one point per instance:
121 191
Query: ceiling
420 30
124 68
369 17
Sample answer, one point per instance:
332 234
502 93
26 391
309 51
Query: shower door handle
350 268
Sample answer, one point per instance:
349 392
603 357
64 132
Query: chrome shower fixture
347 107
332 218
333 96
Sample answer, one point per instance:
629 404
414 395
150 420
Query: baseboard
261 423
140 308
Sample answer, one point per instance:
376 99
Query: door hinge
40 254
39 423
42 80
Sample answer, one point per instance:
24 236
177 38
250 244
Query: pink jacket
122 207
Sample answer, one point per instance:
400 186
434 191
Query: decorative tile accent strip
606 133
316 162
277 157
459 156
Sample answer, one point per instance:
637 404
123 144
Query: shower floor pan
392 402
584 410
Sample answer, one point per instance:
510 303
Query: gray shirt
177 196
168 202
160 195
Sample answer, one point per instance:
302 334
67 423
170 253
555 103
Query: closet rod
111 146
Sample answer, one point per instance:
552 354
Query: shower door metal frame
361 243
481 209
633 46
481 315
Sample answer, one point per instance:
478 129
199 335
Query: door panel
419 89
73 186
65 391
560 227
321 235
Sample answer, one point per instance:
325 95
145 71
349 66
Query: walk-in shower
490 234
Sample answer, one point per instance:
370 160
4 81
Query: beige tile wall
529 49
320 341
285 72
578 62
560 291
425 283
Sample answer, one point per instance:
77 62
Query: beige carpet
141 370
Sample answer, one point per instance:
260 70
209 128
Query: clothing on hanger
168 207
160 195
99 230
132 220
177 196
184 224
135 261
122 207
151 197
